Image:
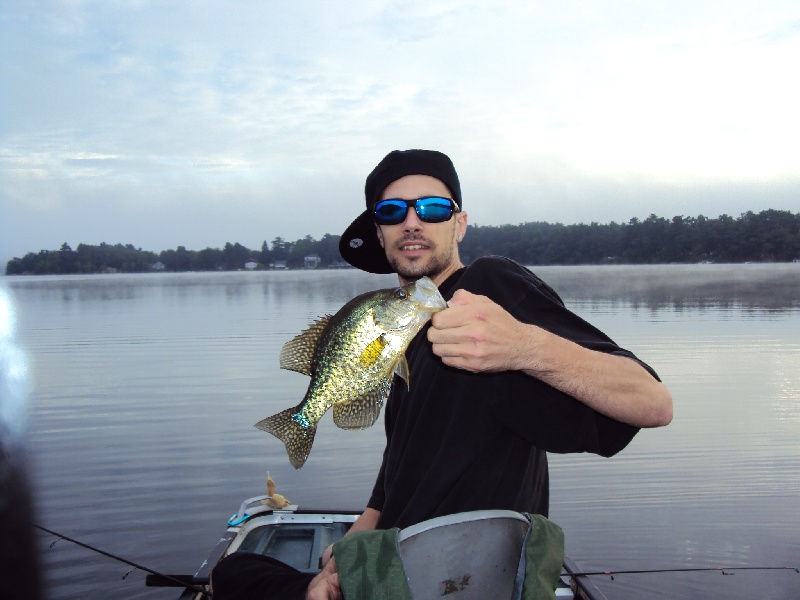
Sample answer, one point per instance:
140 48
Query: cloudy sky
164 123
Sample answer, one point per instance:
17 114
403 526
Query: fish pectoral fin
362 412
297 353
401 370
298 437
373 351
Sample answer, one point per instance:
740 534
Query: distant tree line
769 236
119 258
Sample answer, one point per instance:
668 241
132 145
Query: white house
311 262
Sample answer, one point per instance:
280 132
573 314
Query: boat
299 537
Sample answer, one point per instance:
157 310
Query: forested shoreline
768 236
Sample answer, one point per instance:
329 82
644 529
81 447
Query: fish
352 357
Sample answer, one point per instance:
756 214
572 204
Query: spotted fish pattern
351 358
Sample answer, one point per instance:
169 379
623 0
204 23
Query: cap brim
360 247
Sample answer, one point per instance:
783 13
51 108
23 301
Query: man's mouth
413 245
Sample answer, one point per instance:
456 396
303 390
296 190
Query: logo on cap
356 243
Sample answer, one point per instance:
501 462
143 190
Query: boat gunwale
261 516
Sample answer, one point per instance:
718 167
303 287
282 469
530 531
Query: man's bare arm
479 335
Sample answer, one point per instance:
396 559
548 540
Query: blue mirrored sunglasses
430 209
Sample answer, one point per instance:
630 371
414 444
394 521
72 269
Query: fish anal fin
362 412
297 353
297 436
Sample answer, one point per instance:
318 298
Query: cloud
152 122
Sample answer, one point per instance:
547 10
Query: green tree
67 260
235 256
265 256
280 249
209 259
328 249
300 249
771 235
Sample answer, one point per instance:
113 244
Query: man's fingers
462 297
326 556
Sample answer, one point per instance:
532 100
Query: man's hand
327 581
325 586
476 334
327 555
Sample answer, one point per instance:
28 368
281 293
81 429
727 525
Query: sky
195 123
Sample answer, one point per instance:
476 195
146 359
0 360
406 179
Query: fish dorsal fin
297 353
363 411
401 370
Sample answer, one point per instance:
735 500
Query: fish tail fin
297 438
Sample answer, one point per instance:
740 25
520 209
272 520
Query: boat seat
465 556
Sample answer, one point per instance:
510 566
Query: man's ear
380 235
461 225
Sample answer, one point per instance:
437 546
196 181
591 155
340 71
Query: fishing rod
722 570
189 582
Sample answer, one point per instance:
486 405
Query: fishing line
135 566
722 570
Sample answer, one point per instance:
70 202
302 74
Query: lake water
146 389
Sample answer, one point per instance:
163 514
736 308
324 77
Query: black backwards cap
359 244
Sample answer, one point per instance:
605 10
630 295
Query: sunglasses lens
434 210
430 210
390 212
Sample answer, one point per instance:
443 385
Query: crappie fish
351 358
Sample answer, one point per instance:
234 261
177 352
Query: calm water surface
146 389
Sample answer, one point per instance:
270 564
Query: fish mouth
427 294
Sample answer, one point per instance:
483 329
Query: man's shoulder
496 268
495 276
494 261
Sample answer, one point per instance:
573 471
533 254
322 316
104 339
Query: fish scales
351 358
342 376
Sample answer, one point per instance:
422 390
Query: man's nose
412 221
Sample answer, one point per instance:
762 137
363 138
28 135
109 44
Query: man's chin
412 270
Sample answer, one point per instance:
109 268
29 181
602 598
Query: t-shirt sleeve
532 409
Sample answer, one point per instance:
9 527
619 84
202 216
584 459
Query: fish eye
400 294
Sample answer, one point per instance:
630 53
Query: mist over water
145 389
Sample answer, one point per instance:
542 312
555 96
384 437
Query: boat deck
299 537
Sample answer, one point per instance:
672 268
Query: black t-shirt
459 441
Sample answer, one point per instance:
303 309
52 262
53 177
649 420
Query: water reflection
760 287
148 387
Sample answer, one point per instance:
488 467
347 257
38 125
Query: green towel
542 560
369 566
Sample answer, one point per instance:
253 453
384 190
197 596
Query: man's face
415 248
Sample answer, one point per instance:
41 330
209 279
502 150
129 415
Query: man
506 350
505 374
